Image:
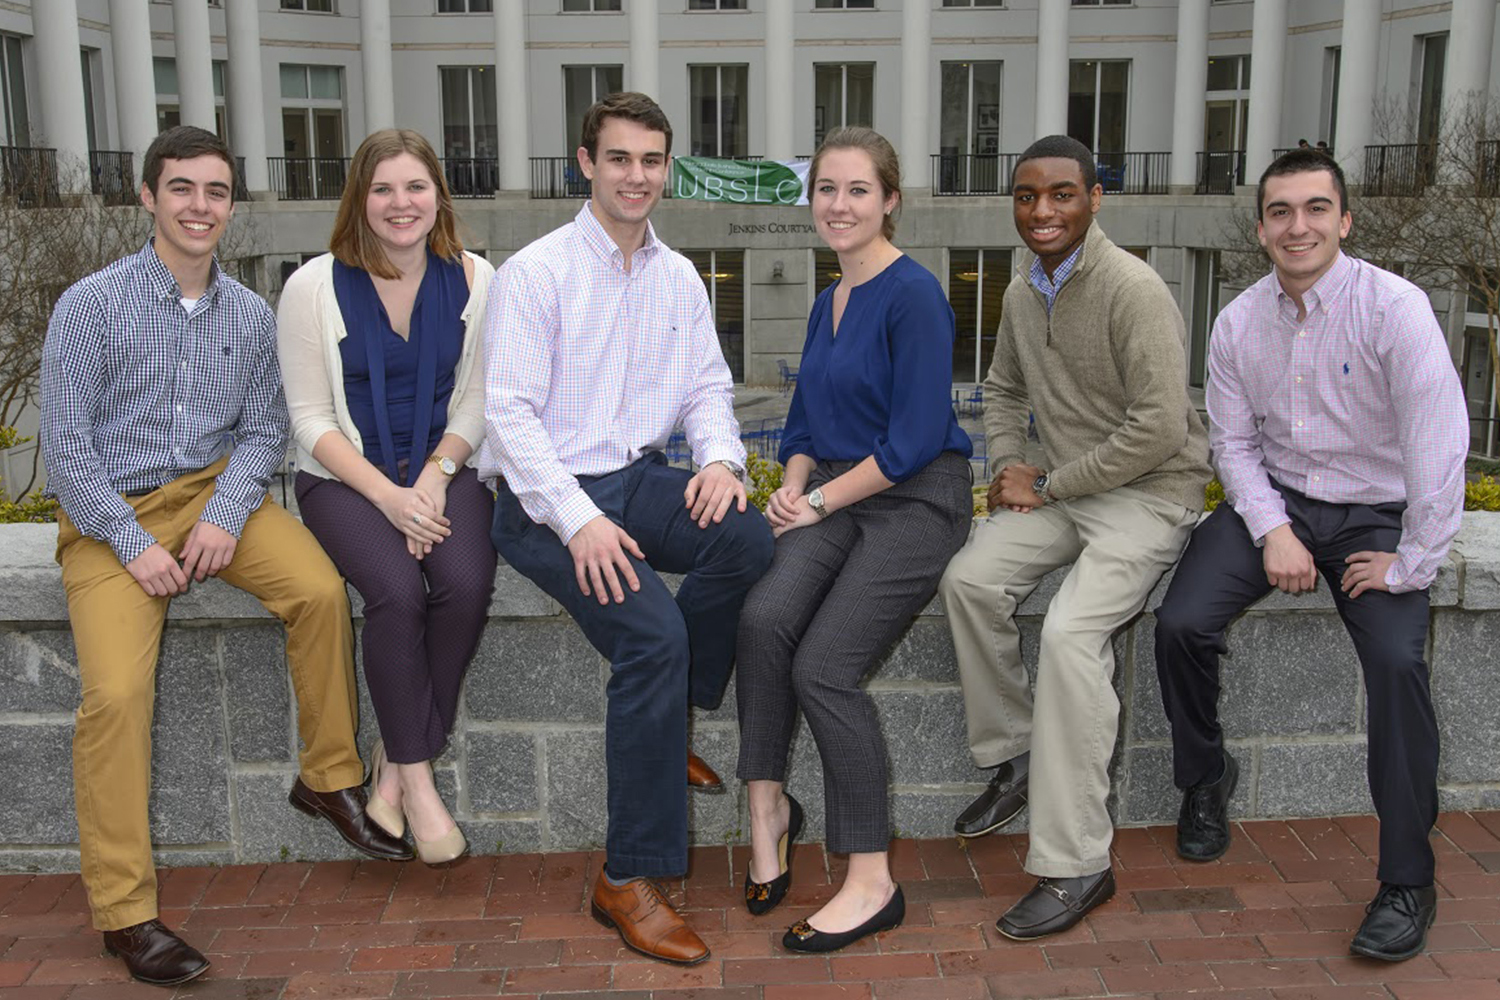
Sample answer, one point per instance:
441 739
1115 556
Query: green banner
740 182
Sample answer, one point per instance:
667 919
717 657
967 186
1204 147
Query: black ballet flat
763 897
802 936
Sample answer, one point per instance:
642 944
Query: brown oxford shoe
701 777
345 809
647 923
154 954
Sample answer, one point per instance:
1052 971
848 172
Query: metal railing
472 176
28 174
241 190
970 174
1487 174
558 177
308 178
112 176
1220 171
1134 173
1404 169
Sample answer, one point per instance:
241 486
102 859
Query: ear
585 162
1096 197
147 198
1345 224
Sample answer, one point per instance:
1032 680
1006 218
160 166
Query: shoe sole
604 918
707 789
317 813
162 982
995 826
1355 949
1066 927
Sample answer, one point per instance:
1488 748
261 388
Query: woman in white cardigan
379 345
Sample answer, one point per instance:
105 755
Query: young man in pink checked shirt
1339 430
599 342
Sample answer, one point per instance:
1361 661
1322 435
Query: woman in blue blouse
875 500
379 356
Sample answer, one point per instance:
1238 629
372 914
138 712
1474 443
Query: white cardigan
309 328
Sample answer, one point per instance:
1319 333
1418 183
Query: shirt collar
1039 273
602 243
163 283
1326 290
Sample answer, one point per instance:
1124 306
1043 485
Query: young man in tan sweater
1091 341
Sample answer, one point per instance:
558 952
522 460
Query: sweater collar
1088 252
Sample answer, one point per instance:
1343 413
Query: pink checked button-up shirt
588 366
1359 403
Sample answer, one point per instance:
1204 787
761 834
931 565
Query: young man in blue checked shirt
162 422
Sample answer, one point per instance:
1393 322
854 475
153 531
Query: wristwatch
739 473
815 501
1039 487
445 464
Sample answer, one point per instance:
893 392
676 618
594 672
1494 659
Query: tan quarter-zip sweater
1106 376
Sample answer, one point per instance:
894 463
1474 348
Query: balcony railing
1220 171
1488 174
308 178
1404 169
112 176
28 174
968 174
1134 173
558 177
241 191
472 176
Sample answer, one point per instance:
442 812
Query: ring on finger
416 519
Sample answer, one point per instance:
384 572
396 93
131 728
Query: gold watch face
445 464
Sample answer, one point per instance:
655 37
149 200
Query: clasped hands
208 549
1014 489
417 511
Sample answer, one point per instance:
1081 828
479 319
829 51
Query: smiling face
402 204
1052 209
191 206
628 176
849 205
1301 226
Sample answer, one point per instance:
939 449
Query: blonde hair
353 242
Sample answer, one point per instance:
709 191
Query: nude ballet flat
385 815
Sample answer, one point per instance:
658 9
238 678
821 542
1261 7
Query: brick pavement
1271 920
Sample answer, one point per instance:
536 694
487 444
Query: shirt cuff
572 514
227 513
129 540
716 452
1261 521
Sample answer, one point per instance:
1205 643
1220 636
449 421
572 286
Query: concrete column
1467 73
375 64
247 99
916 85
195 63
1051 69
642 74
1267 62
513 99
63 126
781 137
135 82
1359 58
1190 84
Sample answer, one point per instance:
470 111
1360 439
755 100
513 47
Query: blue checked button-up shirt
1049 286
137 391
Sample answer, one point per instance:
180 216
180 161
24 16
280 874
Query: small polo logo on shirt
1346 368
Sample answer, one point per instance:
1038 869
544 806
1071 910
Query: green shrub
1483 495
765 478
30 509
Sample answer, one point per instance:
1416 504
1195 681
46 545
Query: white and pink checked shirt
1359 404
588 366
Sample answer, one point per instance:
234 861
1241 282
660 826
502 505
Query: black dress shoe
1055 905
1396 922
802 936
1203 823
762 897
998 804
154 954
345 809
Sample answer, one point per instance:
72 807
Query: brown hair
630 106
184 142
882 155
353 242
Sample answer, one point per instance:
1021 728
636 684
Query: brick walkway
1269 921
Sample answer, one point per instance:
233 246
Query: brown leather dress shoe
701 777
345 809
154 954
646 921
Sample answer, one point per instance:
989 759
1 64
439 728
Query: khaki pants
117 632
1120 543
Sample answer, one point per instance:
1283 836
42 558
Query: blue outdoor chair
788 376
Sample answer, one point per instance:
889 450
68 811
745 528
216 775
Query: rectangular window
590 6
1207 298
723 274
976 285
1102 3
13 80
843 94
312 128
1227 107
89 73
825 271
720 120
843 4
316 6
466 6
1333 60
168 107
969 128
1098 92
1430 94
973 3
716 4
584 86
470 120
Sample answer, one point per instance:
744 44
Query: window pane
963 296
578 94
1223 73
828 99
736 122
954 136
1082 77
455 87
1113 102
825 270
293 81
995 271
218 70
165 72
577 5
326 82
486 113
860 96
729 308
606 4
610 80
703 100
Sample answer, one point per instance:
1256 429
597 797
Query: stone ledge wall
524 770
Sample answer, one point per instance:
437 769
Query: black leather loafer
1056 904
762 897
345 809
1396 923
1000 802
154 954
802 936
1203 823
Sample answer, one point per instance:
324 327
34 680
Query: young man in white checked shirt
1339 430
599 343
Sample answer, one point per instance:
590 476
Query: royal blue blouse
397 389
883 385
